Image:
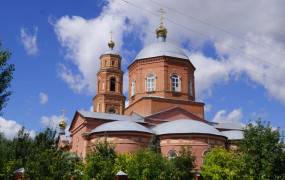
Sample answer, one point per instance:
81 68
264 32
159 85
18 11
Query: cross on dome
62 123
161 31
111 43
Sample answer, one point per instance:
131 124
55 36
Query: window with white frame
150 83
133 88
175 83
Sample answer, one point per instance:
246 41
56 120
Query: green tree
180 167
46 161
39 156
4 155
6 75
100 162
220 164
148 164
141 165
264 153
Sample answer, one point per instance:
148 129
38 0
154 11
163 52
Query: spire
62 124
161 31
111 43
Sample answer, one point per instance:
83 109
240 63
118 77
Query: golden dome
161 31
111 44
62 124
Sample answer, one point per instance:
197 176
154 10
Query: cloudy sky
236 46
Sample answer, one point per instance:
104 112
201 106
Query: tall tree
100 162
6 75
222 164
264 153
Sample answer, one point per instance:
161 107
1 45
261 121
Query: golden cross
162 13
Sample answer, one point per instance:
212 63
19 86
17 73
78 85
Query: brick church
162 104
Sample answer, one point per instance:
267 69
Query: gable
77 120
171 115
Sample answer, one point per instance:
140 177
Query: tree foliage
180 167
221 164
104 163
100 162
260 156
144 164
40 157
264 153
6 75
148 164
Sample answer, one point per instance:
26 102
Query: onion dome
62 124
161 32
111 45
162 47
186 126
121 126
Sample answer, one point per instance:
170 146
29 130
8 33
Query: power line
214 26
198 32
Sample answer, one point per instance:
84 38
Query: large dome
121 126
186 126
162 48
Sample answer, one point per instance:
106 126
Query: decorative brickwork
109 97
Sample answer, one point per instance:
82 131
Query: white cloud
208 73
43 97
256 48
234 116
29 40
51 121
10 128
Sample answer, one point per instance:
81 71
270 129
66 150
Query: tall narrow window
112 84
133 88
150 83
98 107
175 83
191 87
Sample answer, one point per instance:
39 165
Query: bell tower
109 97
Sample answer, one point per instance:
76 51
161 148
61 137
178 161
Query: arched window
112 84
112 110
171 154
133 88
150 83
175 83
191 87
204 154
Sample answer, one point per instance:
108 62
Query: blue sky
55 46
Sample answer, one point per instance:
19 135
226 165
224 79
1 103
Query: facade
162 104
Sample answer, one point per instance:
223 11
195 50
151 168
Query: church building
162 105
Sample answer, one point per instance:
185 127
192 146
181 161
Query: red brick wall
198 144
